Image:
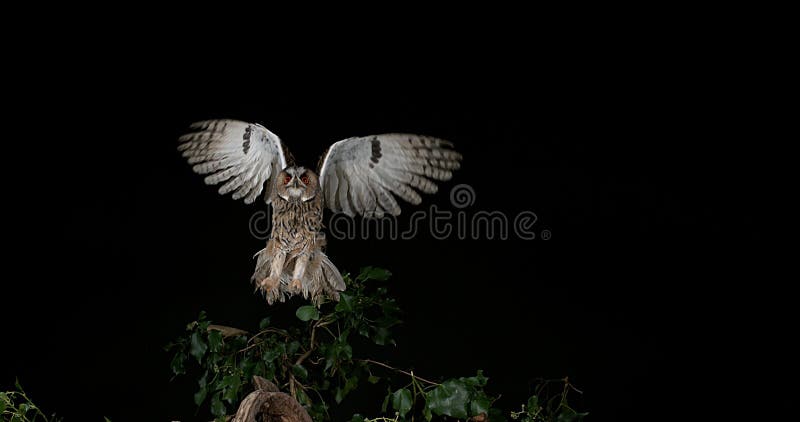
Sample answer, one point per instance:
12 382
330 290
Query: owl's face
297 183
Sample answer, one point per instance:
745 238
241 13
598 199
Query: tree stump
268 404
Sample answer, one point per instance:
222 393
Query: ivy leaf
449 399
300 371
202 381
302 397
373 273
264 323
293 347
199 347
533 405
231 385
200 396
217 407
346 303
177 364
351 384
479 405
307 312
401 401
478 380
215 341
569 415
385 404
382 336
428 415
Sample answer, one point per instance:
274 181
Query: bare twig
413 376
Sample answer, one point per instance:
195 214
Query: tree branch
397 370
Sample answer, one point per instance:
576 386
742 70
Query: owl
355 176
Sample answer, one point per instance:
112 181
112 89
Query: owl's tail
321 278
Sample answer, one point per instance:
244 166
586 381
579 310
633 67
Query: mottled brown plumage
293 261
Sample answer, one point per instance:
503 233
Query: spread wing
361 175
240 154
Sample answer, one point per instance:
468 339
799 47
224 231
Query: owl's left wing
360 175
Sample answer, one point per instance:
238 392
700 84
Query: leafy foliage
15 406
546 407
314 360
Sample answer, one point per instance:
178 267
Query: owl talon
296 285
269 284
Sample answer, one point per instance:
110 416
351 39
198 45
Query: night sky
649 294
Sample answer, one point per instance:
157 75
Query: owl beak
296 183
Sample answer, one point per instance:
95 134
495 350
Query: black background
651 294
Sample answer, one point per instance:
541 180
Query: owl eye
304 179
287 179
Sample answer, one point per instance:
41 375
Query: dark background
651 295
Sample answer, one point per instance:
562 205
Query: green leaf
215 341
231 385
202 381
264 323
198 348
293 347
177 364
382 336
338 395
533 405
300 371
569 415
449 399
373 273
302 397
479 405
401 401
357 418
346 303
351 384
23 408
428 415
200 396
3 399
217 407
477 381
307 312
385 404
373 379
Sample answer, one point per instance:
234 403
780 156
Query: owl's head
297 183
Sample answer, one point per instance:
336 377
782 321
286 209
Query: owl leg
299 270
275 271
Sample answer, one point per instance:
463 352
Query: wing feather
238 154
361 175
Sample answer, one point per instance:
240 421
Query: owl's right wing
243 155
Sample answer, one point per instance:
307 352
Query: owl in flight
357 175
